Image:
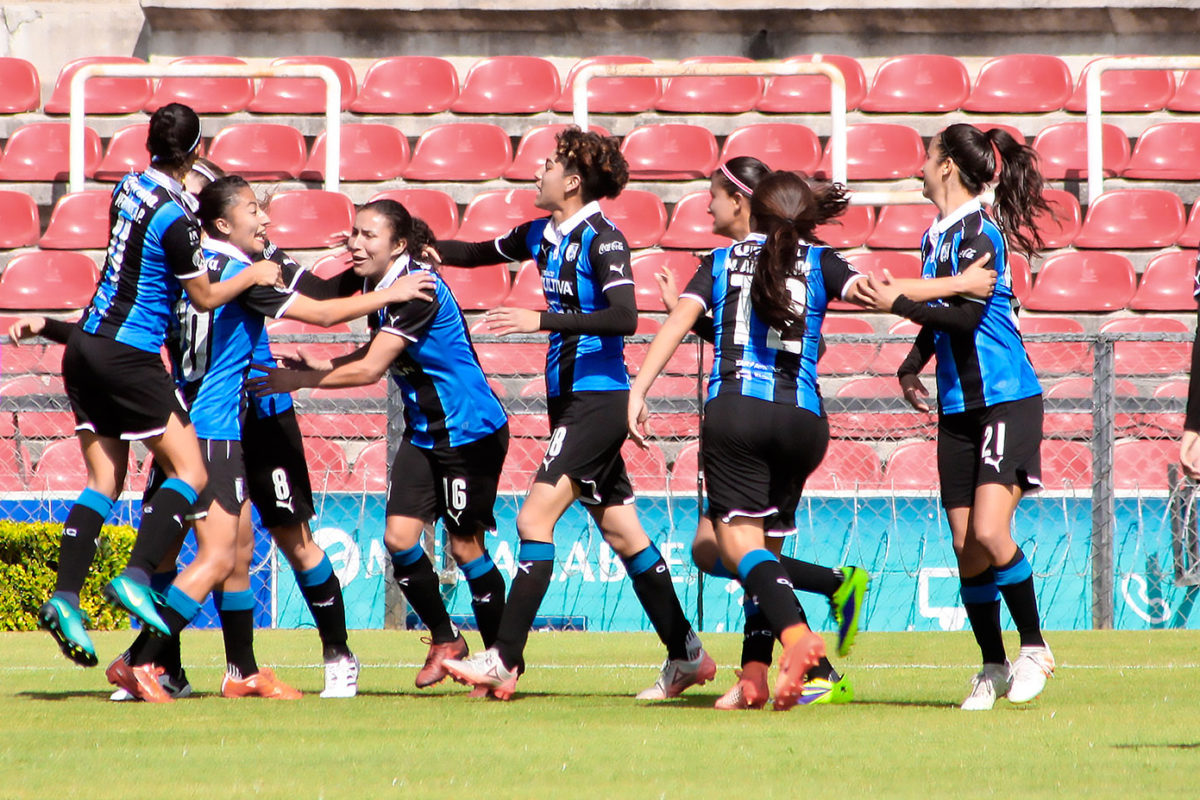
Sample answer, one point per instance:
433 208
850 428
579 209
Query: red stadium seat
19 223
259 151
1011 130
204 95
1165 424
507 358
79 222
302 95
20 89
1167 283
647 467
1126 90
1066 466
494 213
126 153
691 225
1191 233
100 95
1149 358
851 229
11 472
287 327
711 94
436 208
1056 358
407 85
684 361
1187 93
902 227
327 466
913 467
916 84
682 482
900 265
521 465
309 218
1020 84
1140 465
810 94
892 355
28 358
343 426
508 85
1083 281
1078 424
681 264
611 95
60 468
877 151
535 147
372 391
26 385
370 152
779 145
477 288
1132 218
847 359
670 152
638 214
1062 150
1169 151
848 466
1059 230
49 280
879 424
461 151
39 152
1022 276
332 264
527 288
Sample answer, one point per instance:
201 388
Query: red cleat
751 690
261 684
140 681
803 650
433 671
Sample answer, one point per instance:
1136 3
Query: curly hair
596 159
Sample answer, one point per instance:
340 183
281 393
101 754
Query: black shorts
277 477
998 444
119 391
457 484
587 430
757 456
226 478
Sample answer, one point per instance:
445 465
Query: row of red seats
477 151
920 83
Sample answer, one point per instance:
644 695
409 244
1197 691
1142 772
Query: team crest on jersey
944 252
572 251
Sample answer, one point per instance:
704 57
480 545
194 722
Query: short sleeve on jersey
410 319
837 273
609 257
267 300
700 287
181 246
515 245
973 248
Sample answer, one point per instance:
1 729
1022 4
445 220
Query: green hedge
28 560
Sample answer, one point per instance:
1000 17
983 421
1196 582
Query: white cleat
341 677
121 696
1029 673
484 671
679 674
988 685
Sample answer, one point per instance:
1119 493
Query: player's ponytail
416 234
215 199
995 155
788 210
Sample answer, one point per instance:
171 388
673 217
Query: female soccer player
1189 445
213 360
584 264
449 461
118 388
989 399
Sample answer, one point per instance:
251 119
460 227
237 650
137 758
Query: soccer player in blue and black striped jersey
764 429
116 383
989 399
584 264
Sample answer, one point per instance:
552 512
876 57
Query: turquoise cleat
138 600
65 624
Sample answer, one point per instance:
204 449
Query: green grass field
1120 719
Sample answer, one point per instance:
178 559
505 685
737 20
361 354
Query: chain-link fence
1113 538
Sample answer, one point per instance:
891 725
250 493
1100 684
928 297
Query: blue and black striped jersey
749 357
154 244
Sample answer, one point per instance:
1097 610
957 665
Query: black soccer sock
813 578
236 610
1015 582
758 641
487 596
167 654
982 601
652 584
163 522
535 568
323 594
763 577
77 546
417 579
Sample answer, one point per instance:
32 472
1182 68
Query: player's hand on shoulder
266 273
978 280
419 285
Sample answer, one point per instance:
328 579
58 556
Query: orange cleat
140 681
802 651
261 684
433 671
751 690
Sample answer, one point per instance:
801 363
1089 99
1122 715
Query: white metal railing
1095 128
333 102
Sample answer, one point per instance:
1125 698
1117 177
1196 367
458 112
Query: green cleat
138 600
823 690
847 604
65 624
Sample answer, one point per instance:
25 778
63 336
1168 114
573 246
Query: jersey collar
967 208
174 187
555 235
226 249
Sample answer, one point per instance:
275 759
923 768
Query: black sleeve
344 284
181 246
700 287
619 319
57 331
269 301
837 273
410 319
919 355
958 315
512 246
706 329
1191 421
